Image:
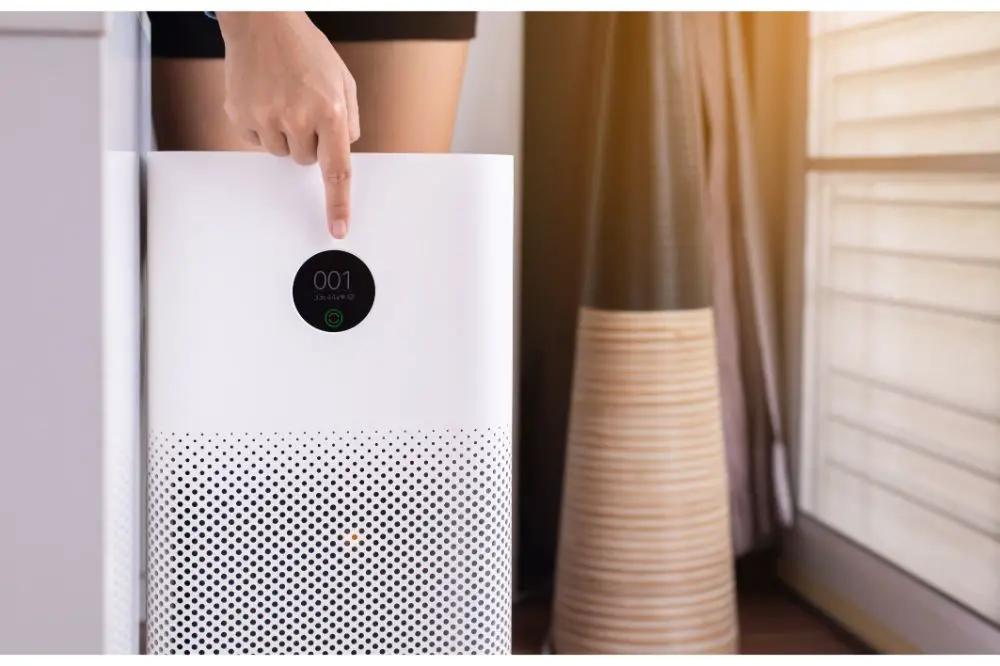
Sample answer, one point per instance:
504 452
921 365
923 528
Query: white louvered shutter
900 437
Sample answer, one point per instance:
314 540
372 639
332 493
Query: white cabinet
73 123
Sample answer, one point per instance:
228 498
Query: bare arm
288 91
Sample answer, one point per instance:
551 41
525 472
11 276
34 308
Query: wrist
239 25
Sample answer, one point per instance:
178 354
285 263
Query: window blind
900 440
897 83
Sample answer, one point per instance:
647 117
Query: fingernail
338 228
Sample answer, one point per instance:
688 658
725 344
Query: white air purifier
329 455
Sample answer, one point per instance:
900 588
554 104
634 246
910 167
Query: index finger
334 156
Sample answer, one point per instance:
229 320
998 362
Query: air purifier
329 422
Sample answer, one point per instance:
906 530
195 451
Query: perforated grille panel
343 543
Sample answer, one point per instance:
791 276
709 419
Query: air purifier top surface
259 321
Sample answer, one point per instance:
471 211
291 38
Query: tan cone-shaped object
645 562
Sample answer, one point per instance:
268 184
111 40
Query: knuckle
270 115
338 211
273 117
260 119
298 124
333 110
251 137
239 117
337 176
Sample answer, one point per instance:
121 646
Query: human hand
288 91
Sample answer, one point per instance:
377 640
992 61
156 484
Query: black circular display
333 291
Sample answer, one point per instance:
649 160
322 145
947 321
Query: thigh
189 84
408 95
188 106
408 92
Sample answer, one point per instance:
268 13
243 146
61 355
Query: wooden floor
772 621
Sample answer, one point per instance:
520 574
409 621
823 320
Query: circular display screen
333 291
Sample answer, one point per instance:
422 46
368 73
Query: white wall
489 115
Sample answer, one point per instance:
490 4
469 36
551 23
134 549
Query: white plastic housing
317 492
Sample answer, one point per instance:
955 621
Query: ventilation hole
358 542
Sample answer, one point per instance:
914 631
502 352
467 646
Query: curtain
563 160
742 288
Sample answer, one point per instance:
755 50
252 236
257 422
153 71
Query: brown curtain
742 287
563 62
